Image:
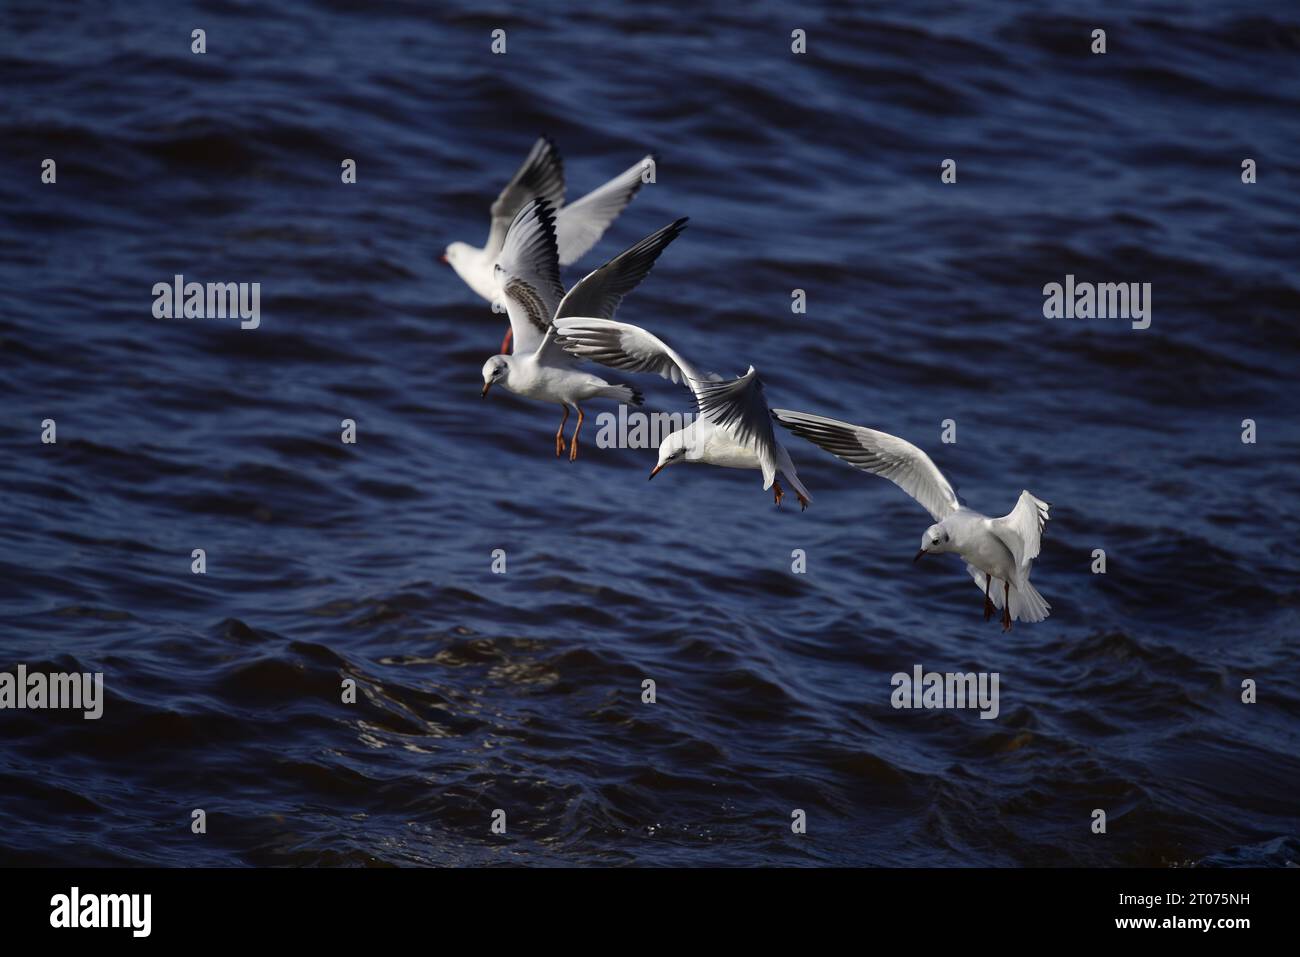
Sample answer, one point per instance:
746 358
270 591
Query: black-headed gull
528 274
578 225
733 430
994 549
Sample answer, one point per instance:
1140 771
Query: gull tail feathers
623 393
786 468
1027 604
797 485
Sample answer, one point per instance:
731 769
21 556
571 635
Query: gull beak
919 556
655 471
443 259
486 385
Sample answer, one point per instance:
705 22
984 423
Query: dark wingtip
667 234
554 154
545 211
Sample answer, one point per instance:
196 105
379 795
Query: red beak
655 471
443 259
919 555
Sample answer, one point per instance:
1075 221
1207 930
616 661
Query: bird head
454 255
671 450
496 369
935 539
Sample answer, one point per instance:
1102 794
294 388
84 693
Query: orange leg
988 602
559 434
803 500
505 345
1006 606
573 442
778 493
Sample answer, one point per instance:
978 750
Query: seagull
994 549
528 275
578 226
733 429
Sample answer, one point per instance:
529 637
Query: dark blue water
522 691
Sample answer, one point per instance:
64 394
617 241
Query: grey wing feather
529 274
879 453
739 407
1021 530
541 176
621 345
580 225
601 290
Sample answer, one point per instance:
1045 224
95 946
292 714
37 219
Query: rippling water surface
522 691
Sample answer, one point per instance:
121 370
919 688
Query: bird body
528 275
999 552
533 378
578 225
733 429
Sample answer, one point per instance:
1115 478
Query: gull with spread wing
997 551
733 430
578 225
528 275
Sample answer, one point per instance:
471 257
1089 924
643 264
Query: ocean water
522 691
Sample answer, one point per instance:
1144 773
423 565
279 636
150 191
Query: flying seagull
578 225
733 429
997 551
529 277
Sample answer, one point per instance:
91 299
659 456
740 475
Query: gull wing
528 274
739 407
580 224
600 291
878 453
621 345
540 177
1021 530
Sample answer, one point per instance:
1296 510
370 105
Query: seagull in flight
528 275
578 225
998 552
733 430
